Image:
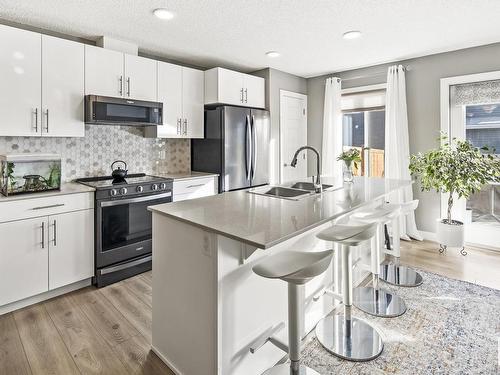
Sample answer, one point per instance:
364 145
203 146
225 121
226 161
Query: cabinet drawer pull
35 112
43 235
51 206
193 186
55 233
120 88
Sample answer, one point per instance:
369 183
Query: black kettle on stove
119 174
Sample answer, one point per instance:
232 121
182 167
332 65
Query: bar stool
373 300
296 268
344 335
394 273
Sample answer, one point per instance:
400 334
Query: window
482 125
365 130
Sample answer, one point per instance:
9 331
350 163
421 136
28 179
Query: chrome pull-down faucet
318 188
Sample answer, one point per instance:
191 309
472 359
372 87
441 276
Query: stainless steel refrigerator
236 146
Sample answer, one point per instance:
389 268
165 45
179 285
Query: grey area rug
451 327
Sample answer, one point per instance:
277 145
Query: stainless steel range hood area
105 110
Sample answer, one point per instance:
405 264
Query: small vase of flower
350 157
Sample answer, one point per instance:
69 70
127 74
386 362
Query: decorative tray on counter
29 173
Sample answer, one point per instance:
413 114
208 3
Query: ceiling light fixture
272 54
163 14
353 34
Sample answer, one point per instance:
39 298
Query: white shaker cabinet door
71 244
103 72
62 88
170 94
254 94
193 94
140 78
20 77
23 259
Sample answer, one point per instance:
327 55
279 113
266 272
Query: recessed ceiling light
272 54
163 14
353 34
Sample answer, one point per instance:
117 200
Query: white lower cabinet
46 252
194 188
71 236
23 259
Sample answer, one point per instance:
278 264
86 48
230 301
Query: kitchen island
209 308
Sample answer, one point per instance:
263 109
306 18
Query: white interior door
62 87
293 131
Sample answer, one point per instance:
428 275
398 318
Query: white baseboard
44 296
165 360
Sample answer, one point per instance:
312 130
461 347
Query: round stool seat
294 266
377 215
349 338
350 235
284 369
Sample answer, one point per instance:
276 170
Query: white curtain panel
332 130
397 147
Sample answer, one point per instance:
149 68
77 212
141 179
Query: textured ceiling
307 33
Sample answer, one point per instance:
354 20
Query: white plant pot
450 235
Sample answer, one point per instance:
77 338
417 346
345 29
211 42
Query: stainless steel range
123 225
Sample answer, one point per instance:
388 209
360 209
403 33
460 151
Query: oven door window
125 224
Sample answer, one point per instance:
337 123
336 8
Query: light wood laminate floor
108 330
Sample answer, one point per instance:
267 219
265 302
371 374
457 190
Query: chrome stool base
354 339
286 369
378 302
400 275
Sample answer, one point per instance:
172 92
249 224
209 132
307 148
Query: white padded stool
373 300
394 273
296 268
343 335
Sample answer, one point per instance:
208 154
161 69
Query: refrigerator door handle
254 148
248 148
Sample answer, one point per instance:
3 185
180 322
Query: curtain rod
407 68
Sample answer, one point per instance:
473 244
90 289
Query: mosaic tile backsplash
93 154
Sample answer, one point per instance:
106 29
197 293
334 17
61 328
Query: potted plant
457 169
349 157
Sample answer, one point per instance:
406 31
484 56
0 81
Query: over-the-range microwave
106 110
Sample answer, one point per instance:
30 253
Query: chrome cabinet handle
248 144
47 120
246 95
185 126
254 147
179 126
35 112
43 235
241 96
193 186
128 87
120 89
51 206
54 240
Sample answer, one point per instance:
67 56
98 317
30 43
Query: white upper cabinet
113 73
62 88
103 72
223 86
181 91
140 78
20 100
254 93
192 102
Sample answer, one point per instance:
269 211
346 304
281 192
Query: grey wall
422 89
275 81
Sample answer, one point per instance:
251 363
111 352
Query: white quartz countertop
66 188
264 221
186 175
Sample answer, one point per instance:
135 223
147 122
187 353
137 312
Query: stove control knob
123 191
113 192
163 186
139 189
154 187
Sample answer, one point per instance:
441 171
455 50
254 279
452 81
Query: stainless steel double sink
295 191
